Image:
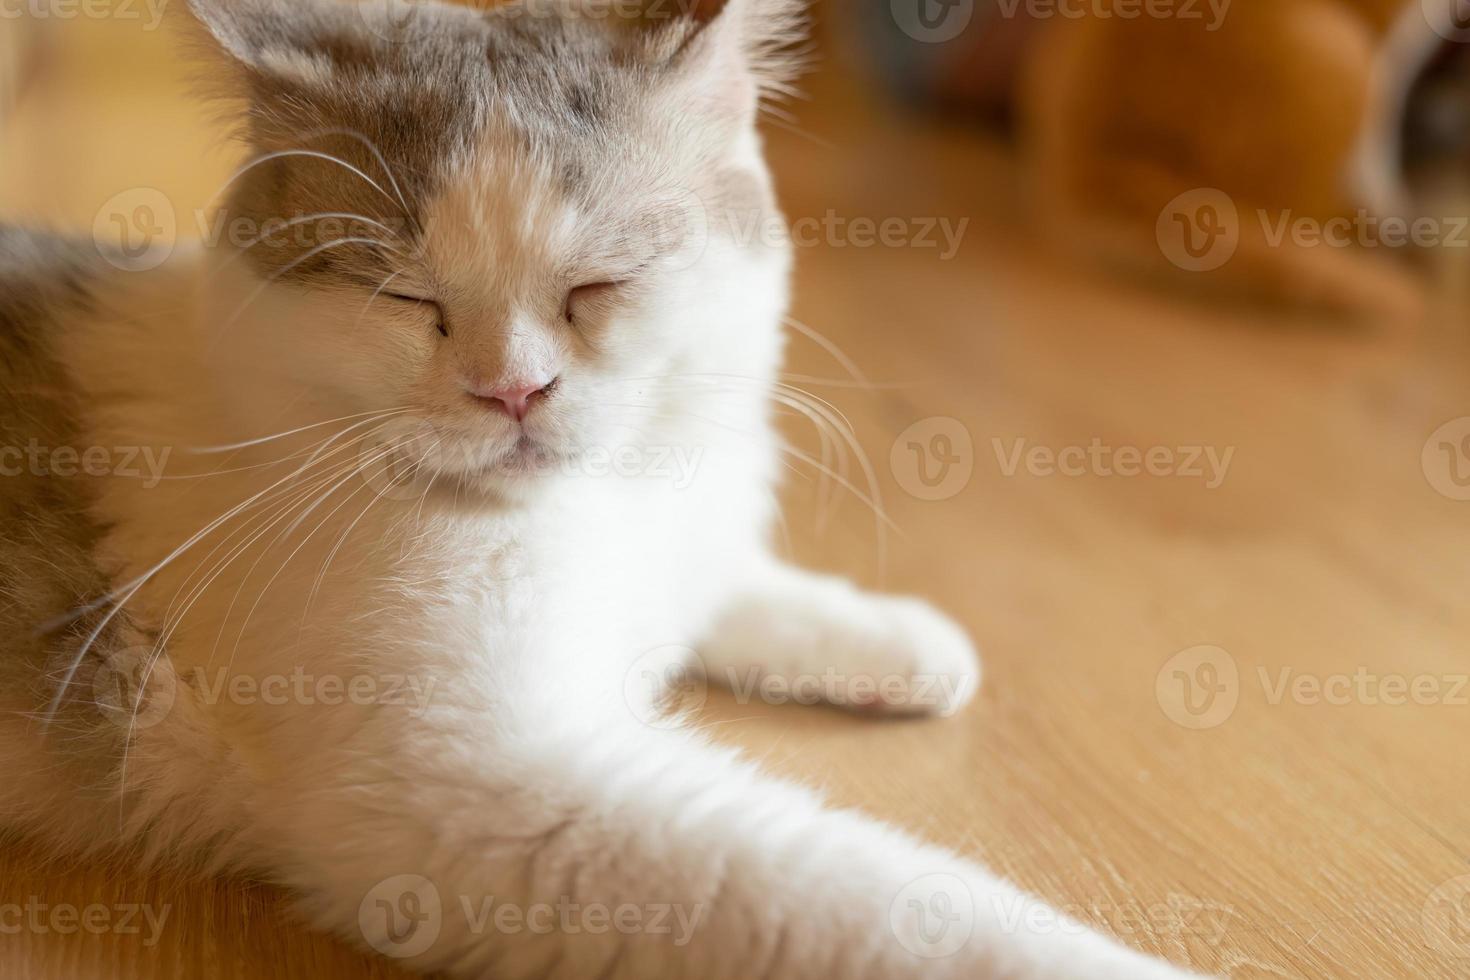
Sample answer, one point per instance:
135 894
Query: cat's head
527 230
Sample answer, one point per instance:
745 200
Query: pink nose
513 399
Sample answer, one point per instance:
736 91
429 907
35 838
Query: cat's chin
529 458
511 474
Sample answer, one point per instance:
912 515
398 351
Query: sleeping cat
1288 107
378 628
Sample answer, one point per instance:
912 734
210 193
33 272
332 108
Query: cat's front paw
805 639
905 657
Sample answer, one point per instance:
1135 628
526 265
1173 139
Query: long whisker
248 244
382 162
294 496
300 259
161 643
807 403
279 154
299 496
376 293
353 471
120 596
847 485
230 447
322 573
827 344
822 413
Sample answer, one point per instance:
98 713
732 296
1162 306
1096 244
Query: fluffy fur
533 194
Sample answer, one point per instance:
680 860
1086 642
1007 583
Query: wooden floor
1227 723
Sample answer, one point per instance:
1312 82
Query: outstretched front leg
513 832
812 637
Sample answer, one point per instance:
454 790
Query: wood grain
1293 837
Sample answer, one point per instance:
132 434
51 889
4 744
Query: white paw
812 639
919 660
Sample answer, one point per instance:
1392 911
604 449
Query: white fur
520 605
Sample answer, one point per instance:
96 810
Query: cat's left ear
735 53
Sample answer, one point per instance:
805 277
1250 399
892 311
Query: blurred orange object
19 52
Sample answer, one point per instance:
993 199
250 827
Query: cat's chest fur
592 564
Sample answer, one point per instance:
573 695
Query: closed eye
589 294
438 310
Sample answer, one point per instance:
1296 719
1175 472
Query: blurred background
1149 321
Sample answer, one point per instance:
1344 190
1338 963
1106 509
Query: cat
376 627
1289 108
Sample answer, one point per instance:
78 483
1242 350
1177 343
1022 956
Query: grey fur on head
402 91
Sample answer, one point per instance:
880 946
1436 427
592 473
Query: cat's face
524 232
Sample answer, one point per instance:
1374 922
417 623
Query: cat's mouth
529 450
527 457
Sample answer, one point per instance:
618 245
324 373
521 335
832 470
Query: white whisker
279 154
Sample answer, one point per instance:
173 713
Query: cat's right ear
729 53
278 46
250 37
